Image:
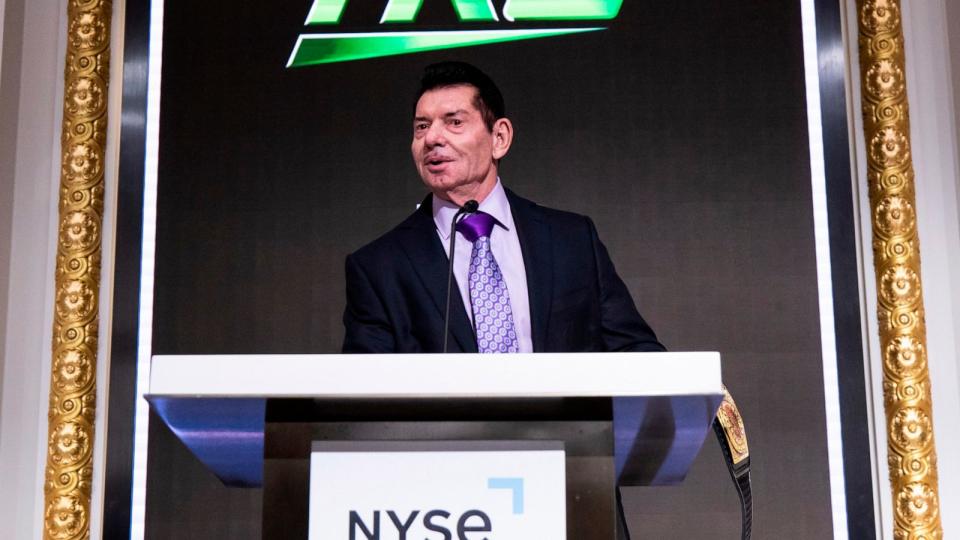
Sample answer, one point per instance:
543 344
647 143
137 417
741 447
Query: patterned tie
492 313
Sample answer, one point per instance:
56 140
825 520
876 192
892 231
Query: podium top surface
662 403
543 375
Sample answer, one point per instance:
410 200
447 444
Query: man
530 279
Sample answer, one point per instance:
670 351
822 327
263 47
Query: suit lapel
423 246
536 246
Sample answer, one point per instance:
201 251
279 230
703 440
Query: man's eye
456 122
420 127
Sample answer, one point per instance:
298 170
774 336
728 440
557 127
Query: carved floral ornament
900 285
84 96
880 15
71 369
87 31
890 147
80 230
918 504
66 518
82 163
71 443
885 80
894 216
905 355
911 428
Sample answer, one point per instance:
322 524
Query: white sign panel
437 495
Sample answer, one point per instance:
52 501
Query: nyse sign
578 16
433 521
437 495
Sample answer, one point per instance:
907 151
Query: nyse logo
437 521
434 521
325 48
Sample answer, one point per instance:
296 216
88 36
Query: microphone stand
468 208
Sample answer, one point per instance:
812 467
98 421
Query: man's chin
441 183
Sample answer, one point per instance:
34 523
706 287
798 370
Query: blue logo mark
513 484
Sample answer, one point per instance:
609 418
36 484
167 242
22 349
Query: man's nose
434 135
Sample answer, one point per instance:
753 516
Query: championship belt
728 426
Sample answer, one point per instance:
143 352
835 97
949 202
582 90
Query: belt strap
728 426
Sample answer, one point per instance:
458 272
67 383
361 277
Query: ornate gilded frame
912 461
69 469
907 400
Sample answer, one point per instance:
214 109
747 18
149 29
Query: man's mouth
433 160
436 163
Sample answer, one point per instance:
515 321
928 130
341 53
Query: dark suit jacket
397 289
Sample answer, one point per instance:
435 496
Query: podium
623 419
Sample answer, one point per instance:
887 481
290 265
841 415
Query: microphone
468 207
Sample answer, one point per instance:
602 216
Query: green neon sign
325 48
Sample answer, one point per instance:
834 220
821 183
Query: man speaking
530 279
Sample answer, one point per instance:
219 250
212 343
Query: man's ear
502 137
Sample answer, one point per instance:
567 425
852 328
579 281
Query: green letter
325 11
474 10
312 49
404 11
517 10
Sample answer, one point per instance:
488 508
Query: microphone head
471 206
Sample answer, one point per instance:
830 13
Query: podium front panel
586 434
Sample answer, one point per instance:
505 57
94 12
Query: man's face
452 147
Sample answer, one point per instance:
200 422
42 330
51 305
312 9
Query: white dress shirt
505 245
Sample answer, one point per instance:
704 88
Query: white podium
624 418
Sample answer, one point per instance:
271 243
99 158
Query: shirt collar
496 204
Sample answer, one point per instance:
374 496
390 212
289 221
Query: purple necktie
492 314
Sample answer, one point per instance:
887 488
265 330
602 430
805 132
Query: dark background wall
681 130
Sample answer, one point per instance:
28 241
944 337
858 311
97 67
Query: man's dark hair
489 100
